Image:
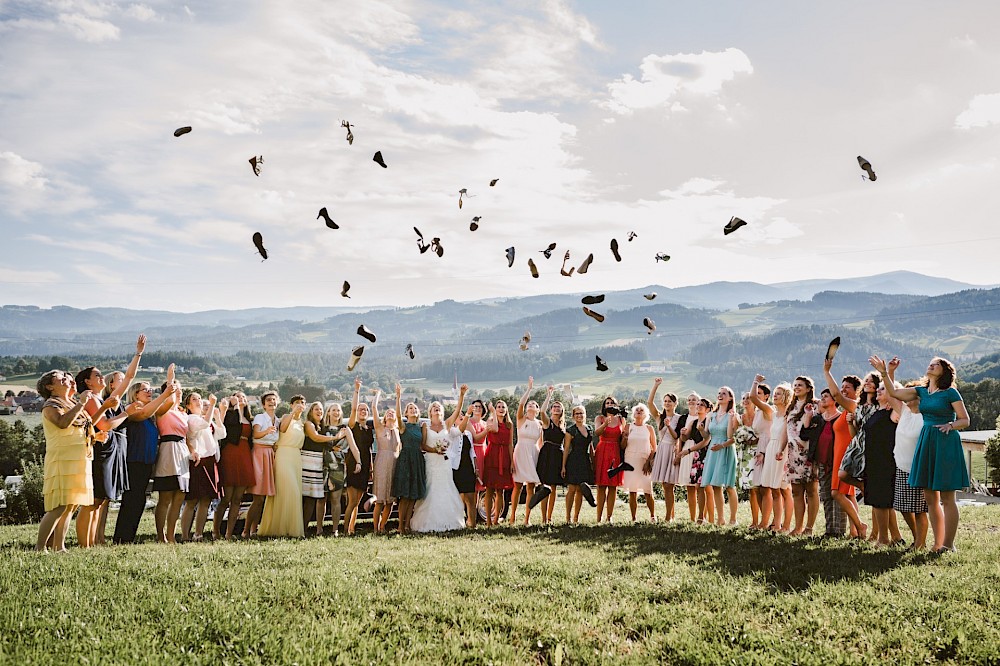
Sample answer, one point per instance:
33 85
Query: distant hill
684 316
987 367
785 353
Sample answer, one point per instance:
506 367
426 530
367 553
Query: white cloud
15 171
143 13
89 29
663 78
983 110
693 186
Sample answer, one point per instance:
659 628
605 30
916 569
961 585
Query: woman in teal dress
409 482
938 462
720 461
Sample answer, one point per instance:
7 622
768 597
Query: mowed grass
587 594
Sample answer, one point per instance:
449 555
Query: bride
441 509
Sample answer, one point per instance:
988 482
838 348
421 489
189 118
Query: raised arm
654 413
848 404
376 421
492 422
175 398
400 421
524 400
132 368
450 421
902 394
354 403
138 412
545 406
760 404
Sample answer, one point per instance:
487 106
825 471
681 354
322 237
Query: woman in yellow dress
69 454
283 512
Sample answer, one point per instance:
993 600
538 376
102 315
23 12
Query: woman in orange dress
841 491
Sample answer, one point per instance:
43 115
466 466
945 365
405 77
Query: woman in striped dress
315 444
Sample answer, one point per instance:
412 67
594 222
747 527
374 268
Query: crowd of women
107 436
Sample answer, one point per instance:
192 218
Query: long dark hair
863 399
948 374
810 395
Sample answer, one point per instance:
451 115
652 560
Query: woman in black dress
358 478
577 467
464 467
550 456
880 464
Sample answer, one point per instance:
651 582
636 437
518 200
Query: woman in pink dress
608 428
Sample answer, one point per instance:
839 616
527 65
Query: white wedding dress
441 510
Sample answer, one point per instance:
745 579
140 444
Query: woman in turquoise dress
720 461
409 482
938 461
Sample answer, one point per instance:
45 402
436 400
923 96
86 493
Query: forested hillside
782 354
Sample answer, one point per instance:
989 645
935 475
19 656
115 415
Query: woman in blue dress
938 462
720 460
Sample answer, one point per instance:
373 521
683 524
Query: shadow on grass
783 562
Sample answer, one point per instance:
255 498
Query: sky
599 119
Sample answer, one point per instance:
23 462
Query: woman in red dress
608 427
497 473
236 465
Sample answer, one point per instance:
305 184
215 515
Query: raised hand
893 364
759 379
531 383
827 364
140 344
657 381
357 383
877 363
399 390
464 388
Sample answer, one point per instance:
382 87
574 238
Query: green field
644 593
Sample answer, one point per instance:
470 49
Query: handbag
852 467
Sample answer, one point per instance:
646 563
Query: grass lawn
644 593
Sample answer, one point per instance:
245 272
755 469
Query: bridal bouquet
745 437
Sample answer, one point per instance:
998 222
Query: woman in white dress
640 448
441 509
772 474
763 419
529 435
